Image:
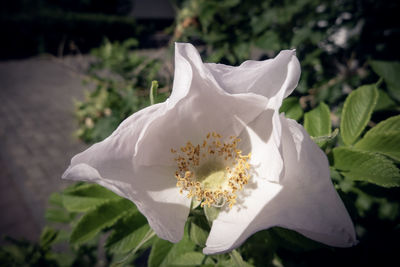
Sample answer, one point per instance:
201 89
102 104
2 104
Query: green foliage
122 79
293 240
103 212
384 138
198 231
237 259
99 218
164 253
366 160
332 41
366 166
47 237
86 197
357 112
317 122
385 102
56 212
128 234
292 109
189 259
264 25
389 71
387 126
22 253
42 253
384 143
211 213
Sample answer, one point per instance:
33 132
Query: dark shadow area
63 27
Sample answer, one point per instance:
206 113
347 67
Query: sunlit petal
305 201
109 163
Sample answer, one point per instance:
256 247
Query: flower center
213 171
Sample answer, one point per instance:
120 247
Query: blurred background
72 70
64 27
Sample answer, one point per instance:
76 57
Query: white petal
263 136
191 120
183 72
109 163
205 108
307 201
276 77
233 227
317 210
188 68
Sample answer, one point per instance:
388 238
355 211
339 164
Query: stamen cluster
212 171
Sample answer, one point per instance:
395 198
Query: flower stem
153 91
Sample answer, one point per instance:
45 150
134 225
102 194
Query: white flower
219 137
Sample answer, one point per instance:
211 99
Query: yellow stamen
212 172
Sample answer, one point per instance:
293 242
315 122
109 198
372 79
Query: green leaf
195 203
317 122
63 236
385 143
237 259
291 107
48 236
99 218
357 111
128 233
384 101
105 126
211 213
164 253
293 240
144 242
188 259
234 260
389 71
325 138
383 138
197 234
132 241
389 125
268 41
159 252
58 215
86 197
56 199
366 166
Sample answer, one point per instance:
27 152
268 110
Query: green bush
122 81
333 39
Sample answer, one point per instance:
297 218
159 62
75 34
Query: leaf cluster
94 213
333 40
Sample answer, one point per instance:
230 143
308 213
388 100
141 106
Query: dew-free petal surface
110 164
305 201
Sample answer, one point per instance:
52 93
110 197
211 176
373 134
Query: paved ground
36 142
